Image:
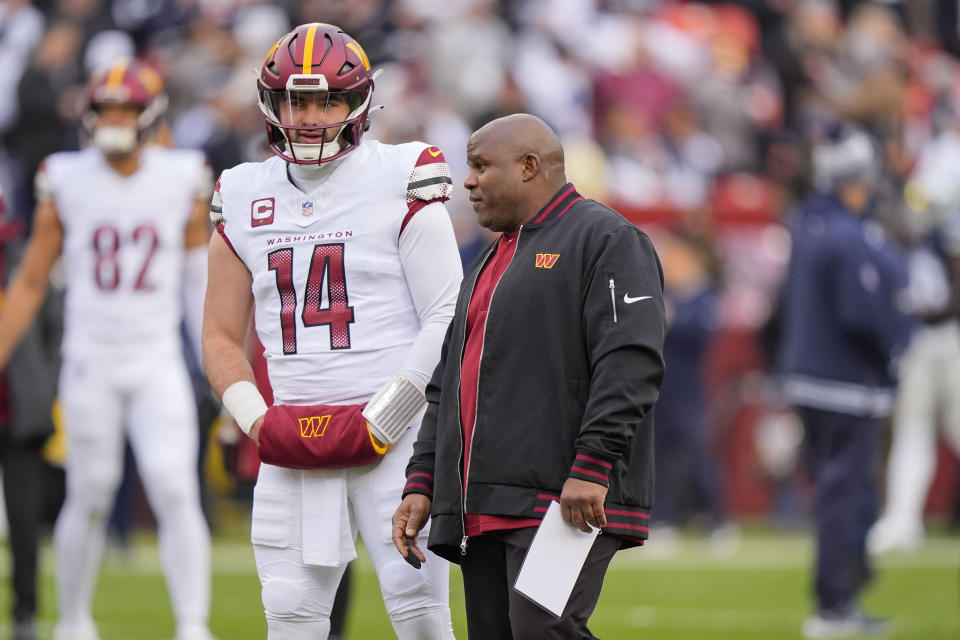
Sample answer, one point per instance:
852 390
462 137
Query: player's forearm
20 306
226 318
232 379
225 362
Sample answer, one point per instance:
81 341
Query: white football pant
298 597
151 400
929 394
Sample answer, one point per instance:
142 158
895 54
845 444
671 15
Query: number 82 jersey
333 306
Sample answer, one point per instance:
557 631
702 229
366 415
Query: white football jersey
333 309
123 245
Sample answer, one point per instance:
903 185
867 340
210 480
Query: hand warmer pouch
317 437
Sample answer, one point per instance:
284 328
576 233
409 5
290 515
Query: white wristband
244 402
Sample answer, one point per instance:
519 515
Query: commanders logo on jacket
546 260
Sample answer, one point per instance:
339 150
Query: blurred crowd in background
693 119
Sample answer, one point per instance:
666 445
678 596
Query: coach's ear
531 166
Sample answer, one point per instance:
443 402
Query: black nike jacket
570 369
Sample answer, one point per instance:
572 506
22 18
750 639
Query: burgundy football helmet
128 82
320 65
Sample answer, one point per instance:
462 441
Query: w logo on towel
314 426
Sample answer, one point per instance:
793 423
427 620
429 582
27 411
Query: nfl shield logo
307 208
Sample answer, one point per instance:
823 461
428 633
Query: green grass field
758 592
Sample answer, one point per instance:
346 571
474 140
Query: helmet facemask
115 141
308 124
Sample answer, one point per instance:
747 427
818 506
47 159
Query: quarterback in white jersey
346 252
129 221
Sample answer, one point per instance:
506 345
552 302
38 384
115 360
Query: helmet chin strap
318 151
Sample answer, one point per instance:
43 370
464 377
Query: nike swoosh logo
629 300
431 152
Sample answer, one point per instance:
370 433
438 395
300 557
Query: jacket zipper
473 432
613 298
461 476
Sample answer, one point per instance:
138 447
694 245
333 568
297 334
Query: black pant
23 491
496 612
843 453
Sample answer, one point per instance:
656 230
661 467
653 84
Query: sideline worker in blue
842 330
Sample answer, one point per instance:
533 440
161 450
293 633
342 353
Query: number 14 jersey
333 308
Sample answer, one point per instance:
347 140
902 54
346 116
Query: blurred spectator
49 98
471 82
367 20
802 48
670 166
632 102
739 100
553 80
868 82
21 27
92 16
841 331
216 110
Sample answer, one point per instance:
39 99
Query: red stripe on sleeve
580 456
223 234
615 512
412 208
589 473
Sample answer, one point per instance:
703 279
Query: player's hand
581 503
408 520
255 430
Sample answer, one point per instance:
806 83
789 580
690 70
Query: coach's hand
255 430
581 503
408 519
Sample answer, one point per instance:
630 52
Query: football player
129 221
344 252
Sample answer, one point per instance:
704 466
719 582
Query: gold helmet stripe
115 76
308 49
357 49
270 53
151 80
